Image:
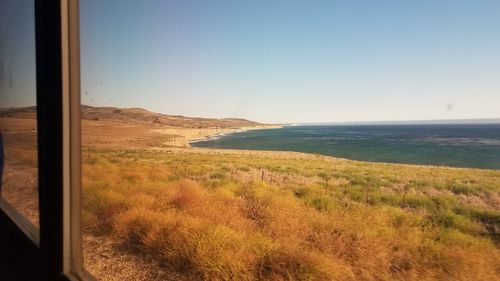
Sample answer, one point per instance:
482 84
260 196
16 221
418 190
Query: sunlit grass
251 217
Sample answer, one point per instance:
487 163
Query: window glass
282 140
18 128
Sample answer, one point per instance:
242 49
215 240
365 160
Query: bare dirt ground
118 134
106 260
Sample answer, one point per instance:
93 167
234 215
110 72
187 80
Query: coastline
183 137
405 145
226 132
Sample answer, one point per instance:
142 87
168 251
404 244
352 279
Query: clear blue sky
294 61
17 53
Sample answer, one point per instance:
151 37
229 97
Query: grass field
217 215
208 214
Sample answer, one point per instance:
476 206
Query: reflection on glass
18 142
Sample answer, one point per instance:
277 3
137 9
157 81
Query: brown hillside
132 127
138 115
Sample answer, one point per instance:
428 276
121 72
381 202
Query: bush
218 176
322 203
303 192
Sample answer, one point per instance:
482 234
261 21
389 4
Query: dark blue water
476 145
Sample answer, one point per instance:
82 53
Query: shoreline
234 131
183 137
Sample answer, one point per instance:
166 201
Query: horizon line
458 121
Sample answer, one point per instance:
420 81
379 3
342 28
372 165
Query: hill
134 127
138 116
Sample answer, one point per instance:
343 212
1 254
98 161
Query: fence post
404 196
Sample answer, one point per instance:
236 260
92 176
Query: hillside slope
138 115
133 127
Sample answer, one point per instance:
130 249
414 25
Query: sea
455 145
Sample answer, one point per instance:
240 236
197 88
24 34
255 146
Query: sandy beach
182 137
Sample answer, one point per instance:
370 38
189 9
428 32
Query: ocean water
471 145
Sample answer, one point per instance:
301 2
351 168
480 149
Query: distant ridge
138 115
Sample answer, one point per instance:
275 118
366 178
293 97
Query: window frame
55 253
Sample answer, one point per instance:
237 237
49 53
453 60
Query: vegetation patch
247 217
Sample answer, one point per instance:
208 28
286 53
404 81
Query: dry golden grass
211 217
227 215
